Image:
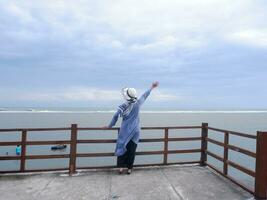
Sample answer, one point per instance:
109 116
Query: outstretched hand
155 84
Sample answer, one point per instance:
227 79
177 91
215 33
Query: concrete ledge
157 183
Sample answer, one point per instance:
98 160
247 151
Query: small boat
59 147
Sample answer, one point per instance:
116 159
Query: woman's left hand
105 127
155 84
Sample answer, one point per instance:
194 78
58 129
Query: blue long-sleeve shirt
130 126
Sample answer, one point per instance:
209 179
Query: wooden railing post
225 155
204 143
23 150
73 149
261 166
166 139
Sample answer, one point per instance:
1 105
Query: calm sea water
247 122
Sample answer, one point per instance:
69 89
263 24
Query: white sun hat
129 93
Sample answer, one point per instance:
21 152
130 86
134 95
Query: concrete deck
160 183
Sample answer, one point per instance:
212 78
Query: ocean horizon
112 110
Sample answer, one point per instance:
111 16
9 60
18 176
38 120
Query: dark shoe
129 171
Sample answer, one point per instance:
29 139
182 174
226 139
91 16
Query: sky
205 53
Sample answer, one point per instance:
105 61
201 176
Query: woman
130 129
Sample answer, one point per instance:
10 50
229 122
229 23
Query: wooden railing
260 173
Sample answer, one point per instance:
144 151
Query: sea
246 121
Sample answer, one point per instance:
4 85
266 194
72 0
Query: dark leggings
127 159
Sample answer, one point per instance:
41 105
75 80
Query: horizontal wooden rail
233 164
141 140
241 168
214 156
10 143
233 133
10 158
215 142
97 141
114 140
47 156
43 142
143 128
47 170
98 154
94 154
96 129
34 129
35 170
48 142
241 150
141 153
171 127
184 139
152 140
35 157
184 151
233 148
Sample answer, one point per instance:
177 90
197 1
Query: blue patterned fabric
130 128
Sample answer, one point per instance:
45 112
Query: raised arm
142 99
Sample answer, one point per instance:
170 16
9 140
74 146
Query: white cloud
19 12
106 40
256 38
77 94
162 96
123 24
70 94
